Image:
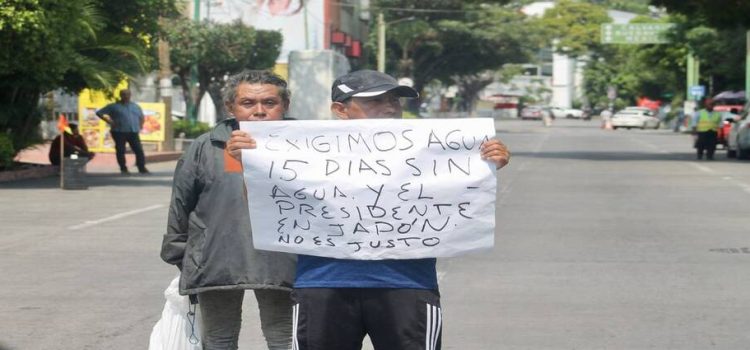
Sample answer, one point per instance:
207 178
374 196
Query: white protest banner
371 189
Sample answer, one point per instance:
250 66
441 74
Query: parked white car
738 140
638 108
739 131
640 118
560 112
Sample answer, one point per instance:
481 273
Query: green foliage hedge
6 151
191 130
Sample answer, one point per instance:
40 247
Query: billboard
301 22
96 132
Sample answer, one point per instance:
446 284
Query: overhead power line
402 9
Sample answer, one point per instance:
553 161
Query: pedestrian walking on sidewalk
606 116
209 236
125 119
547 116
679 119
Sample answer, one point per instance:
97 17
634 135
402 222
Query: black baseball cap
367 83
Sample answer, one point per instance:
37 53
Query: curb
36 172
163 157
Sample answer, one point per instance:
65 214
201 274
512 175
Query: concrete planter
182 144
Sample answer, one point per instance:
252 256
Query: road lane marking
505 182
702 168
650 145
745 187
114 217
541 144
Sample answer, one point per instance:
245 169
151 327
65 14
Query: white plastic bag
179 326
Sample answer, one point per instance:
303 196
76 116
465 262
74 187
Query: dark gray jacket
208 230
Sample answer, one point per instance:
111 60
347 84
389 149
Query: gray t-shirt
126 117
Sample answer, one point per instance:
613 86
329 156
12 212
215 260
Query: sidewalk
102 162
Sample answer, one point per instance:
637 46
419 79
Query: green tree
218 50
635 6
652 71
715 31
658 71
716 13
721 52
475 49
460 42
573 27
69 44
404 39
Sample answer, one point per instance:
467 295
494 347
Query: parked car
638 108
738 140
743 139
732 138
535 112
725 102
571 113
722 135
635 117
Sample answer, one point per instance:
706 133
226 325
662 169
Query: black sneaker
124 171
144 171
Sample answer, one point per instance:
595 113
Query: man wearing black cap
368 94
339 301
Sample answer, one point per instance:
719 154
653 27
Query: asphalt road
605 240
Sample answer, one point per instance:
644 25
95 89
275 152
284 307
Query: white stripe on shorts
295 319
433 325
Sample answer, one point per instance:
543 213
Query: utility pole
381 43
192 114
165 91
693 73
747 66
307 34
381 38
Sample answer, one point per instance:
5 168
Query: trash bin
74 174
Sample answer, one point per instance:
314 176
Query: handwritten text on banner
371 189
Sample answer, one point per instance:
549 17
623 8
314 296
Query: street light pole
165 91
381 43
747 66
192 109
381 39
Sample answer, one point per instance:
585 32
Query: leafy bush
19 123
408 115
7 152
191 130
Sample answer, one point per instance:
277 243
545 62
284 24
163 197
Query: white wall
563 87
311 74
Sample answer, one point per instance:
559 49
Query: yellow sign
153 122
96 132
